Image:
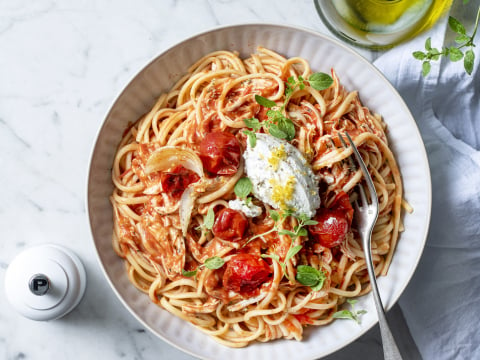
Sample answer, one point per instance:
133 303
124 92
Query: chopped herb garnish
350 314
277 124
211 263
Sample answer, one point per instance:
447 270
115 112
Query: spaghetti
232 272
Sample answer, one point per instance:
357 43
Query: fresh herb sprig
306 275
299 230
454 53
211 263
291 253
350 314
277 124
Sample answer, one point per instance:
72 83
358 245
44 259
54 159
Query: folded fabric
440 304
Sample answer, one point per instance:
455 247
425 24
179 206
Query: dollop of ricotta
280 175
249 209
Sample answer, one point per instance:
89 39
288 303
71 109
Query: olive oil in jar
380 23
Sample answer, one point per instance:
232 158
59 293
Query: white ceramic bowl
323 54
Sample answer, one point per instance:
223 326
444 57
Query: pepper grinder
45 282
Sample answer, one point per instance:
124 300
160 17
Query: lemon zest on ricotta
278 154
281 194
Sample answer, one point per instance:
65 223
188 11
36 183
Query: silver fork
366 217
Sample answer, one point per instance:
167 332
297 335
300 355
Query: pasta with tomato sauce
232 199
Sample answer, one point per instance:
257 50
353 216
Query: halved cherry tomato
245 273
333 223
174 182
230 225
220 153
342 202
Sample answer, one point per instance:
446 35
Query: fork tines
363 168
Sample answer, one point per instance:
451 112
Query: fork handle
390 348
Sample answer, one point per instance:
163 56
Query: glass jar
379 24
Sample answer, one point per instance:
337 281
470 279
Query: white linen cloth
441 303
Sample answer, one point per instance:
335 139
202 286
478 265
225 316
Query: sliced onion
187 201
171 156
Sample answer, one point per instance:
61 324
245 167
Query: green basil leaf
276 132
456 25
265 102
320 81
189 273
352 301
253 123
243 187
293 251
310 222
214 263
455 54
468 61
419 55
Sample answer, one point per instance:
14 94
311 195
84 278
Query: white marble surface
62 64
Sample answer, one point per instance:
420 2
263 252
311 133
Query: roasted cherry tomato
245 273
230 225
333 223
342 202
220 153
331 229
174 182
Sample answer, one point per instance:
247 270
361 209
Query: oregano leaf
428 44
455 54
189 273
264 101
253 123
276 132
468 61
209 219
426 68
243 187
274 215
320 81
462 38
419 55
214 263
309 276
456 25
293 251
